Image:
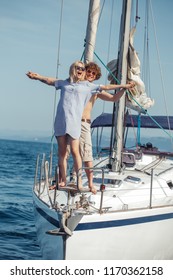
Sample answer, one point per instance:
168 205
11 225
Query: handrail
151 188
43 182
129 154
41 172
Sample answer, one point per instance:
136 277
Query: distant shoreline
162 143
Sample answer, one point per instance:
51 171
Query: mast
93 16
122 77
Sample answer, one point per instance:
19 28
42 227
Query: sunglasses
80 68
91 72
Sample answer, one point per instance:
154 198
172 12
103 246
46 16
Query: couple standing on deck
73 116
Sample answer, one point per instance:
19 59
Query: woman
75 93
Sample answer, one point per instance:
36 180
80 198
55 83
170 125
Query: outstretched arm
110 97
47 80
114 86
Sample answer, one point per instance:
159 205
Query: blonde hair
72 70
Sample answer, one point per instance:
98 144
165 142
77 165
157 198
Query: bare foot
53 187
93 190
62 185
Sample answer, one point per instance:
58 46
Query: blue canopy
105 120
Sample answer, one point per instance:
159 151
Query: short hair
94 66
72 70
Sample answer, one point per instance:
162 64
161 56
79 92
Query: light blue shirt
73 99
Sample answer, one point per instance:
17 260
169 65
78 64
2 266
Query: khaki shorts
86 142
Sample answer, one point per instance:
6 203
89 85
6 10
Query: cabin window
170 184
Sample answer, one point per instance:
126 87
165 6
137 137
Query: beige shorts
86 142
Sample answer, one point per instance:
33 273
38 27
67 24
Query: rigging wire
146 57
137 16
58 58
57 74
159 61
109 40
101 12
108 54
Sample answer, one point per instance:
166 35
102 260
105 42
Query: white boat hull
123 236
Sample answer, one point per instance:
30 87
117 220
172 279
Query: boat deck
146 184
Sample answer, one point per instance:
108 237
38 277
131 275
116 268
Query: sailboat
131 216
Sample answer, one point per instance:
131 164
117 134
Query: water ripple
18 239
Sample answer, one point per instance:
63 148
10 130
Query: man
93 72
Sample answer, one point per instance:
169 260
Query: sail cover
105 120
137 94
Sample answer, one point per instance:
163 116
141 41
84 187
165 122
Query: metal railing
44 181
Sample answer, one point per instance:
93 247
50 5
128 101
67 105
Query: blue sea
18 239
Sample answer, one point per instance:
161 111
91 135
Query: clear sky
29 32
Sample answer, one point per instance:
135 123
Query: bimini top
105 120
